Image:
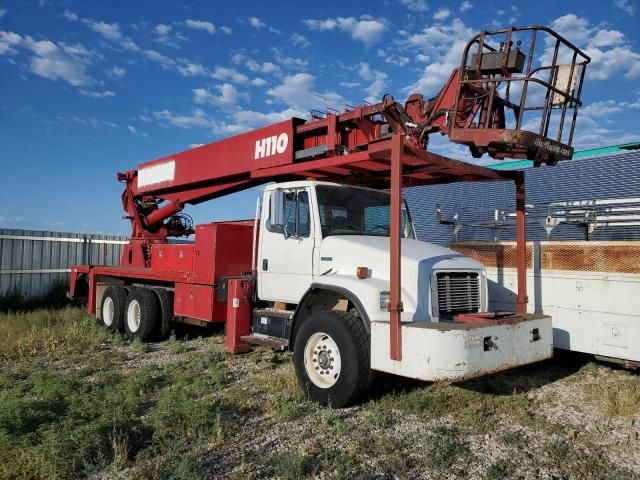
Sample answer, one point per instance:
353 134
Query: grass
48 333
474 409
60 419
617 398
77 401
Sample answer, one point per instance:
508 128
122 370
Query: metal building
592 176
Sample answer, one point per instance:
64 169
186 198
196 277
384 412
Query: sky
90 88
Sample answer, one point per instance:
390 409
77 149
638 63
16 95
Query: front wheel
331 358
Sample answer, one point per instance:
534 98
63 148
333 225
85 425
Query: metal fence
32 261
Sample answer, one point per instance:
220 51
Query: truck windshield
358 211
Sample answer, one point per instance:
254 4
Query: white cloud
195 145
297 91
415 5
198 118
442 14
244 120
258 82
192 69
162 29
610 51
378 81
117 72
266 67
365 29
9 40
256 23
290 62
109 31
64 62
94 122
466 5
300 40
626 7
228 96
230 74
132 129
442 45
163 60
226 30
144 118
104 94
201 25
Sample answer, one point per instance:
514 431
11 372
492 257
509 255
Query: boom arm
470 109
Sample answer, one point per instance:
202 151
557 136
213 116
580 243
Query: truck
330 267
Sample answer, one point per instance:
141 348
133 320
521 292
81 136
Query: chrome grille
458 292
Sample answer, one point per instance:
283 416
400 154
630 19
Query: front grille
458 292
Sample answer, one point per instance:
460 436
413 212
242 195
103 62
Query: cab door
285 255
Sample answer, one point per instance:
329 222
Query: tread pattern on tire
166 312
149 312
361 340
119 296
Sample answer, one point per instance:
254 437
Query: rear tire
332 358
165 297
113 307
142 313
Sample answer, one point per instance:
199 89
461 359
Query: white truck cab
323 255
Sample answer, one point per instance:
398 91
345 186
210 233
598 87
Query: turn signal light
362 272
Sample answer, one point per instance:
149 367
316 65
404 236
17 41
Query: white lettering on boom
271 145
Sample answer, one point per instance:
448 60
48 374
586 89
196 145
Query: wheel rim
108 311
322 360
133 316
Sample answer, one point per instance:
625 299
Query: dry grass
619 397
47 333
77 402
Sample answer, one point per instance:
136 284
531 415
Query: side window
304 222
296 214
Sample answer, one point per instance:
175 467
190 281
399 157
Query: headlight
385 300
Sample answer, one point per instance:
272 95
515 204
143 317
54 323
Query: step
276 343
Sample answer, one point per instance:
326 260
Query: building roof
593 175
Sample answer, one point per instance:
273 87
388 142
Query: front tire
332 359
142 313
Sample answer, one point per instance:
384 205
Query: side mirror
276 213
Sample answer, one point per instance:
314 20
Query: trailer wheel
141 313
166 311
113 307
331 358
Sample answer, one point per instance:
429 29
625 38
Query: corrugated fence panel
32 261
590 178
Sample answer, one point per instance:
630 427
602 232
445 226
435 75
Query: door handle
265 264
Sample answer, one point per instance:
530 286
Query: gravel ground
565 418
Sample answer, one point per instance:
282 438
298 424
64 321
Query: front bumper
451 351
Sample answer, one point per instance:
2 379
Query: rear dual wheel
142 313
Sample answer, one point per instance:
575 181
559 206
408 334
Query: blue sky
90 88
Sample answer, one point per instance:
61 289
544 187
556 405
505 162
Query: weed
620 397
471 408
445 447
499 470
48 332
175 346
292 466
139 346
